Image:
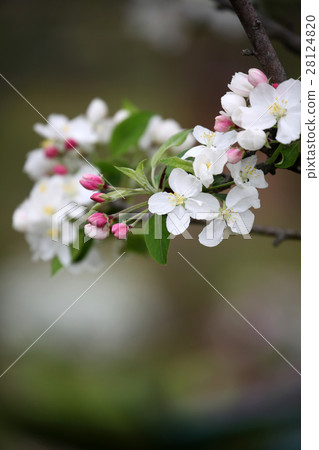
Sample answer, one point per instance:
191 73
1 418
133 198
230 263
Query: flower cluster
180 181
66 154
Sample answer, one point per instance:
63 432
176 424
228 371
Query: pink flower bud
70 144
60 169
92 182
97 197
96 232
51 152
98 219
256 76
120 230
222 123
275 85
234 155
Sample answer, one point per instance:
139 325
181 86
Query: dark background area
151 356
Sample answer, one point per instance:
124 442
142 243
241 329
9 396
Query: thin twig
280 234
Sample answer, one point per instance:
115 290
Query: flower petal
203 135
193 152
241 199
178 221
225 140
288 128
263 95
242 223
184 184
159 203
202 206
212 234
290 90
257 117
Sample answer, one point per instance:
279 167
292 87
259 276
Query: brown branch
280 234
261 45
275 30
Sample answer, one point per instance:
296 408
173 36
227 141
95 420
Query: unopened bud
256 76
96 232
60 169
222 123
92 182
98 219
234 155
120 230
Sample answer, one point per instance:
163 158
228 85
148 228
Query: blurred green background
151 357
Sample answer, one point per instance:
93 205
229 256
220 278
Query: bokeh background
151 357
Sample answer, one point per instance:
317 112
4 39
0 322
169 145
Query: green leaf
77 254
135 243
176 162
129 106
174 141
218 179
110 173
128 132
275 155
137 175
56 265
221 197
289 156
157 238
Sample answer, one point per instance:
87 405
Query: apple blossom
270 106
70 144
212 140
184 202
252 139
240 84
120 230
95 232
231 101
234 155
98 219
60 169
92 182
51 151
244 173
98 197
97 110
234 214
222 123
208 163
256 76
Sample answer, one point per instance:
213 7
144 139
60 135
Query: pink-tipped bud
97 197
70 144
60 169
98 219
120 230
51 152
275 85
256 76
96 232
234 155
222 123
92 182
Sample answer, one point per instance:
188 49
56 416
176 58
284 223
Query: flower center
247 172
48 210
208 165
209 137
176 199
226 213
279 108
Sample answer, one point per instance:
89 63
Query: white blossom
270 106
184 202
245 174
240 84
234 214
211 139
